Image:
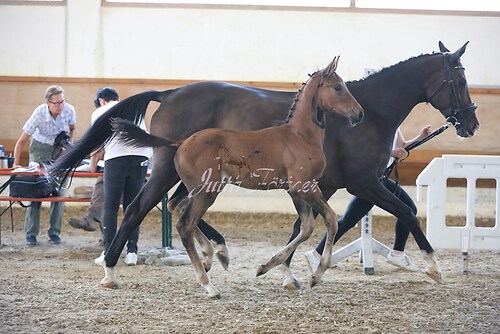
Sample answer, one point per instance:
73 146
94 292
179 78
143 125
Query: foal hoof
434 274
207 266
222 253
212 291
215 296
292 284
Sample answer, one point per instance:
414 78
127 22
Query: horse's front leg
307 227
110 281
382 197
320 205
433 270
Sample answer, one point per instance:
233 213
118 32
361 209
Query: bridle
453 118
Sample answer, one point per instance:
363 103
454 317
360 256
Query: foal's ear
332 67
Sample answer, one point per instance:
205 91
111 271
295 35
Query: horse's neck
403 86
304 112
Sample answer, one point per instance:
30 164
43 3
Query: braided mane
296 99
396 66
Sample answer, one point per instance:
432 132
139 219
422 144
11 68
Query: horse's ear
336 60
443 48
460 51
332 67
455 56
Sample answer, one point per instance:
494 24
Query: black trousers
122 176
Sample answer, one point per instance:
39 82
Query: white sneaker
402 261
130 259
313 258
100 260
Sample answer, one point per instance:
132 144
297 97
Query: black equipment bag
34 186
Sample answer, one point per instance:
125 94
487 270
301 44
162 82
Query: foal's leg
319 204
186 226
206 248
307 227
177 203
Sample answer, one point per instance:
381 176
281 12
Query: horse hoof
207 266
215 296
212 291
110 284
434 274
222 253
260 271
315 280
292 284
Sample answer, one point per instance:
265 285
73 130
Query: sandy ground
55 288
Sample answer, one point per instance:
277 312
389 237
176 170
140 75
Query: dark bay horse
356 157
291 154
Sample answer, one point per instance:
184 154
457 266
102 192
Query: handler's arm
18 149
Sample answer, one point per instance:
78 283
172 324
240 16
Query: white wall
84 39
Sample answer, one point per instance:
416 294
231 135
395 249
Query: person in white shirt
125 170
47 121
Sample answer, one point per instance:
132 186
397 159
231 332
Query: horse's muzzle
356 117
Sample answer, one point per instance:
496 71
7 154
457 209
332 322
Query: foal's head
333 94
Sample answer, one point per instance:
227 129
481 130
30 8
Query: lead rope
394 164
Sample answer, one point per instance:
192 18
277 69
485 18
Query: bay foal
289 156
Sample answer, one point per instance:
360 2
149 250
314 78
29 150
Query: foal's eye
337 87
462 83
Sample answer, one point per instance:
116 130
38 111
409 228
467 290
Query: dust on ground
55 288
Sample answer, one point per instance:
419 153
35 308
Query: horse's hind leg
177 203
221 249
207 250
307 228
151 193
186 226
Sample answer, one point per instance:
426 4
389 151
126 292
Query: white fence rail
470 236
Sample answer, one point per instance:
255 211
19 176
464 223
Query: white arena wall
86 44
96 39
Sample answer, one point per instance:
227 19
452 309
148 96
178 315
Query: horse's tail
132 108
132 135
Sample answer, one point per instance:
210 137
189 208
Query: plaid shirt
44 128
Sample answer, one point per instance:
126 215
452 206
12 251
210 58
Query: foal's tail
132 108
130 134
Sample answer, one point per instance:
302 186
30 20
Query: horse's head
333 94
448 92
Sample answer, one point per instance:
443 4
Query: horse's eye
462 83
338 87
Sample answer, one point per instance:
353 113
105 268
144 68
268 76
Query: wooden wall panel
20 95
